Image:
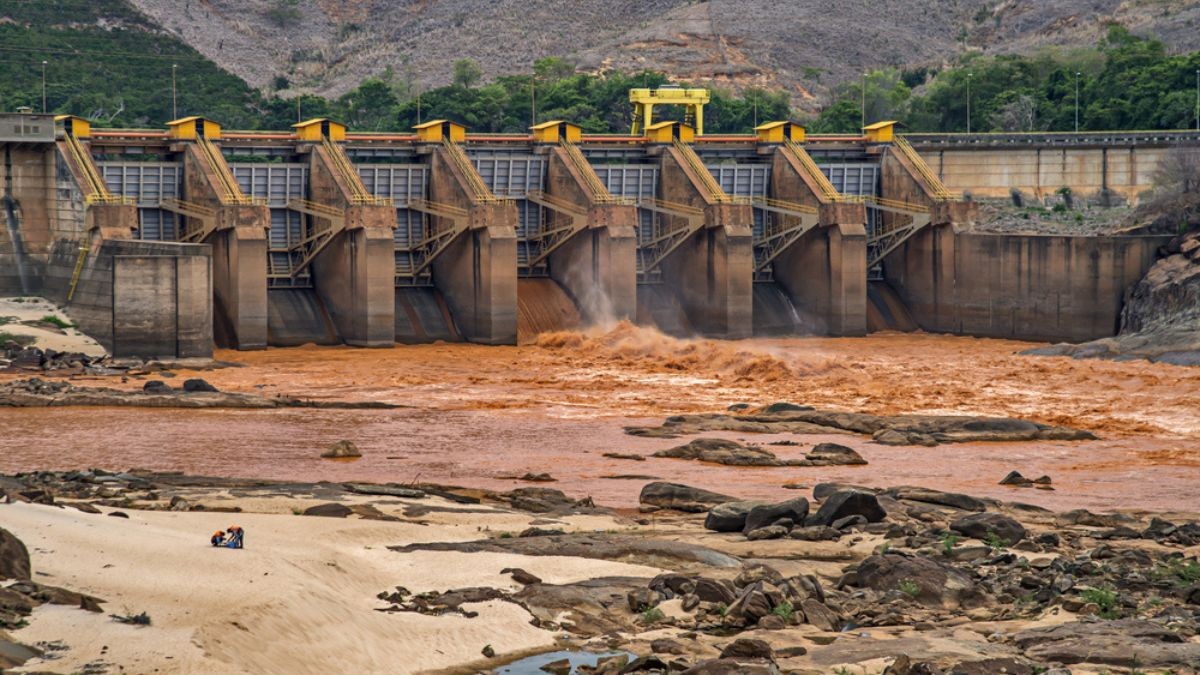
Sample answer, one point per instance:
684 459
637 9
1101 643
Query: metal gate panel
857 179
278 183
745 180
516 176
148 183
635 181
400 183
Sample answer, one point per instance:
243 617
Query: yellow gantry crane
644 100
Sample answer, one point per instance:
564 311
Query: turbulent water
484 415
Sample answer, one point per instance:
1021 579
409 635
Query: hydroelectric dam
166 242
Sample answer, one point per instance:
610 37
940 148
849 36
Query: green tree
466 73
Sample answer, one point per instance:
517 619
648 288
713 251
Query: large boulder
729 517
763 515
748 648
681 497
925 579
987 525
928 496
342 450
196 385
1127 643
721 451
14 557
832 454
329 510
848 503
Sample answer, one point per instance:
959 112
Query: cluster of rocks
732 453
89 489
1015 479
947 559
195 393
927 430
17 358
840 512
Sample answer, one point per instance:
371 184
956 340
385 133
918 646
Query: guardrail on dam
322 235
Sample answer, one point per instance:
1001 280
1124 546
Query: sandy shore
298 599
17 315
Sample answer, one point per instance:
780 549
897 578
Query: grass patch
57 321
784 610
909 588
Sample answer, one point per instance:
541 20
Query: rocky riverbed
898 580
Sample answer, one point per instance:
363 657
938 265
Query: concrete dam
167 242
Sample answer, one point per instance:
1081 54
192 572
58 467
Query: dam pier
166 242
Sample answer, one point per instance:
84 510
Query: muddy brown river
480 416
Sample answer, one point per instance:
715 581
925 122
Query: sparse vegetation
652 616
994 542
910 588
1105 598
10 340
949 541
784 610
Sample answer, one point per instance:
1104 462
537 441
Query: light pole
969 76
43 86
1077 100
174 98
1198 99
864 99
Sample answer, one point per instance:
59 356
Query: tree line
121 76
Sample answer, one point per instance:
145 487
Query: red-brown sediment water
479 416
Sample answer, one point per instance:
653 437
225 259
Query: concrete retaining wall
1027 287
1126 172
145 299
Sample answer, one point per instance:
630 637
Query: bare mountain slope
805 46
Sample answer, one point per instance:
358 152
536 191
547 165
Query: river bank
419 578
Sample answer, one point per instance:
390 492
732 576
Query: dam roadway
164 242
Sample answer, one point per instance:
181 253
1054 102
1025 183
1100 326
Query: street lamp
969 76
863 91
174 98
1077 74
43 86
1198 99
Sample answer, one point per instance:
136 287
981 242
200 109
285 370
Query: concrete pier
353 272
477 271
239 245
825 271
598 265
712 272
